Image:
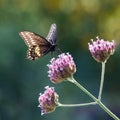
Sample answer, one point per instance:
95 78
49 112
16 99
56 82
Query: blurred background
78 21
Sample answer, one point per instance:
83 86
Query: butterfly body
38 45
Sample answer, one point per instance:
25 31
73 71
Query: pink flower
101 50
48 100
61 68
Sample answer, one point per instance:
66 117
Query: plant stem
82 88
107 110
102 81
76 105
93 97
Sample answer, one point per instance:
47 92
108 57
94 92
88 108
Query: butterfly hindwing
36 52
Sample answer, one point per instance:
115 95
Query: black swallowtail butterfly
38 45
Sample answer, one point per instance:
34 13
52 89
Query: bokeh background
78 21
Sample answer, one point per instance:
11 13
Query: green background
78 21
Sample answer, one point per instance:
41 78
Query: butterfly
39 46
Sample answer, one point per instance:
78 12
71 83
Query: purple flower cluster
61 68
101 50
64 67
48 100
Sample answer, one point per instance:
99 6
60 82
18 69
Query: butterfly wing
51 37
35 52
38 45
32 39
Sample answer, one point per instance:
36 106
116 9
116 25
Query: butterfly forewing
32 39
51 37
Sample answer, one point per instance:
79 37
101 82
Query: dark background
78 21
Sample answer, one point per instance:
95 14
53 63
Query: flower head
101 50
48 100
61 68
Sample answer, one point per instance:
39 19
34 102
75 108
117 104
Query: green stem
93 97
107 110
76 105
82 88
102 80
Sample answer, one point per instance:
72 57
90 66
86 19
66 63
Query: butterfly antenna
52 54
59 51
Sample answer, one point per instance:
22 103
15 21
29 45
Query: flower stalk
107 110
82 88
102 81
94 98
76 105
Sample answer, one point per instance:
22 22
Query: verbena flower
48 100
101 49
61 68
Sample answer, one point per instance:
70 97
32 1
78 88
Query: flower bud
48 100
61 68
101 49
